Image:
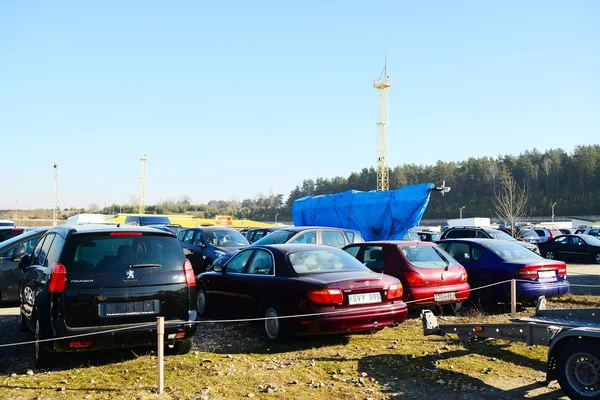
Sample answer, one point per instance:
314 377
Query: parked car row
85 278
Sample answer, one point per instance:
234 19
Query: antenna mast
143 159
55 197
382 85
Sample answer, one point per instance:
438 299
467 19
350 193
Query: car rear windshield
9 233
511 251
277 237
319 261
427 256
104 254
154 220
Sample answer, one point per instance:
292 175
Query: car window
43 256
309 237
55 250
277 237
238 263
350 236
540 232
496 234
562 240
373 258
459 251
476 253
258 235
104 254
460 233
594 232
579 231
324 261
481 235
352 250
261 264
197 237
333 238
187 237
575 241
36 251
225 238
424 256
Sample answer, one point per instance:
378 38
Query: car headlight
219 253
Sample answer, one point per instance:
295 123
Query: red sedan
429 275
317 289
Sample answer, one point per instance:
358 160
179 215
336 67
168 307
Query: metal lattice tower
143 159
55 197
382 85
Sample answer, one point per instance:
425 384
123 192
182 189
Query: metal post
553 211
460 209
161 350
513 298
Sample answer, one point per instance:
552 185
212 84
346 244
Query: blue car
488 261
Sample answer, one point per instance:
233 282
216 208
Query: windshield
500 235
319 261
225 238
594 241
411 236
511 251
277 237
14 239
426 257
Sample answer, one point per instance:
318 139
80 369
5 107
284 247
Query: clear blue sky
239 98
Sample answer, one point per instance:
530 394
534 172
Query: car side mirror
217 268
19 252
24 262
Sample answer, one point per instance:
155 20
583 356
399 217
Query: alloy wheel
272 325
550 255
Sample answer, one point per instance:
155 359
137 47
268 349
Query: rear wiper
145 266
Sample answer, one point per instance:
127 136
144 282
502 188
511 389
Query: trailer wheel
578 369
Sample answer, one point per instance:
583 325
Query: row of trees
572 180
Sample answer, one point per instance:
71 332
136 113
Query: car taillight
190 278
126 234
394 291
562 271
413 278
464 275
58 278
527 272
79 345
326 296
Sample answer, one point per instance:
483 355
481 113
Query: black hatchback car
90 278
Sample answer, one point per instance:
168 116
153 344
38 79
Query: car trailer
572 335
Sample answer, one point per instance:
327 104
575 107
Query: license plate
546 274
364 298
129 308
444 296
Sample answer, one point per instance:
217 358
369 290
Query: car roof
101 228
293 247
211 228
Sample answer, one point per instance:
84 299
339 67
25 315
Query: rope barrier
241 320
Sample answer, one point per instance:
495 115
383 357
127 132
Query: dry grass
232 361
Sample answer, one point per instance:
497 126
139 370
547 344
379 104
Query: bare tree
492 173
511 202
547 165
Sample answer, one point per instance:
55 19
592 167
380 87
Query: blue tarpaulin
377 215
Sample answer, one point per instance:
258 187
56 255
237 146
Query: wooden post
161 353
513 298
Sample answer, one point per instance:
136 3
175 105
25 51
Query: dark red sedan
329 291
428 274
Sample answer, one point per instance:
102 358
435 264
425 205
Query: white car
593 231
6 222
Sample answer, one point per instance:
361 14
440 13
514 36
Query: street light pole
553 211
276 214
460 210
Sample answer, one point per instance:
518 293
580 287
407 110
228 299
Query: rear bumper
365 318
531 291
423 296
119 337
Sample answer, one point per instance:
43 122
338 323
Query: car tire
179 348
597 259
549 255
274 328
573 365
42 358
201 303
